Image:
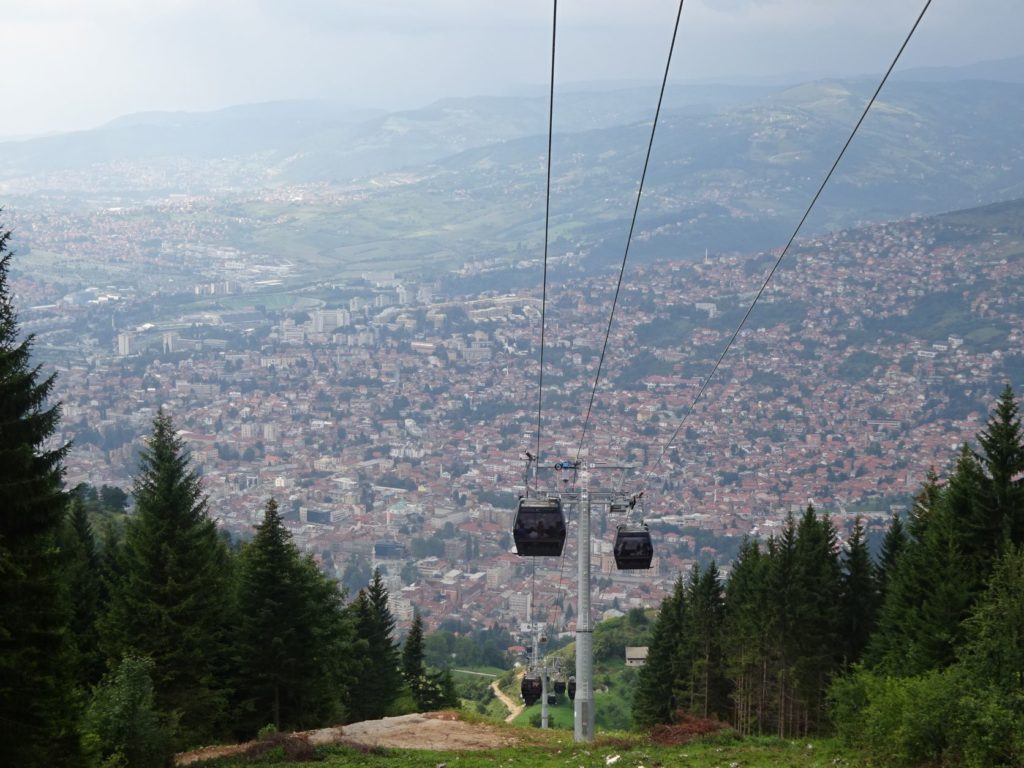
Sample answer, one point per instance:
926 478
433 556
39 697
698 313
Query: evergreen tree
431 689
172 603
413 668
36 713
287 636
702 643
933 585
994 650
443 687
902 553
970 528
817 653
924 505
83 574
1000 515
859 595
746 638
893 544
785 599
654 700
377 680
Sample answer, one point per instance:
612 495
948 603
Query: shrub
942 717
121 725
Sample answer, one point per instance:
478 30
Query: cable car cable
792 238
547 222
632 226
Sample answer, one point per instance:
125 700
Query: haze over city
76 65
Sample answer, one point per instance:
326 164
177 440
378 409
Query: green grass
560 715
562 752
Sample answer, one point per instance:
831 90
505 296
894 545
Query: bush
987 731
940 718
898 721
121 725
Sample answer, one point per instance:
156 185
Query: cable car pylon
540 530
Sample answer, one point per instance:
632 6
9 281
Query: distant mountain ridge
318 140
462 179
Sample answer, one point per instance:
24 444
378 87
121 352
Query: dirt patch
441 731
435 730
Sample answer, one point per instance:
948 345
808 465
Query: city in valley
390 414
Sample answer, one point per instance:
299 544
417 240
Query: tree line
119 647
916 656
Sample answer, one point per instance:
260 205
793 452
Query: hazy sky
78 63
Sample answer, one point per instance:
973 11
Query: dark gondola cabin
572 689
560 687
633 548
539 529
531 688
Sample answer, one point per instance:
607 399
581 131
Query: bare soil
434 730
513 708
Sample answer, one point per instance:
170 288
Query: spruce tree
893 545
702 643
859 595
746 638
900 576
442 691
171 603
993 651
924 504
1000 517
329 692
82 565
973 532
654 700
784 605
413 668
279 648
933 586
817 613
36 712
377 679
431 689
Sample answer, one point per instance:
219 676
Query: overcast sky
72 64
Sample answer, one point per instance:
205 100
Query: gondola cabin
633 548
539 529
560 687
572 689
531 689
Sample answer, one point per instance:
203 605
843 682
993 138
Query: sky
75 64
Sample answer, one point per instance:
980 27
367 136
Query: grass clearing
622 751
